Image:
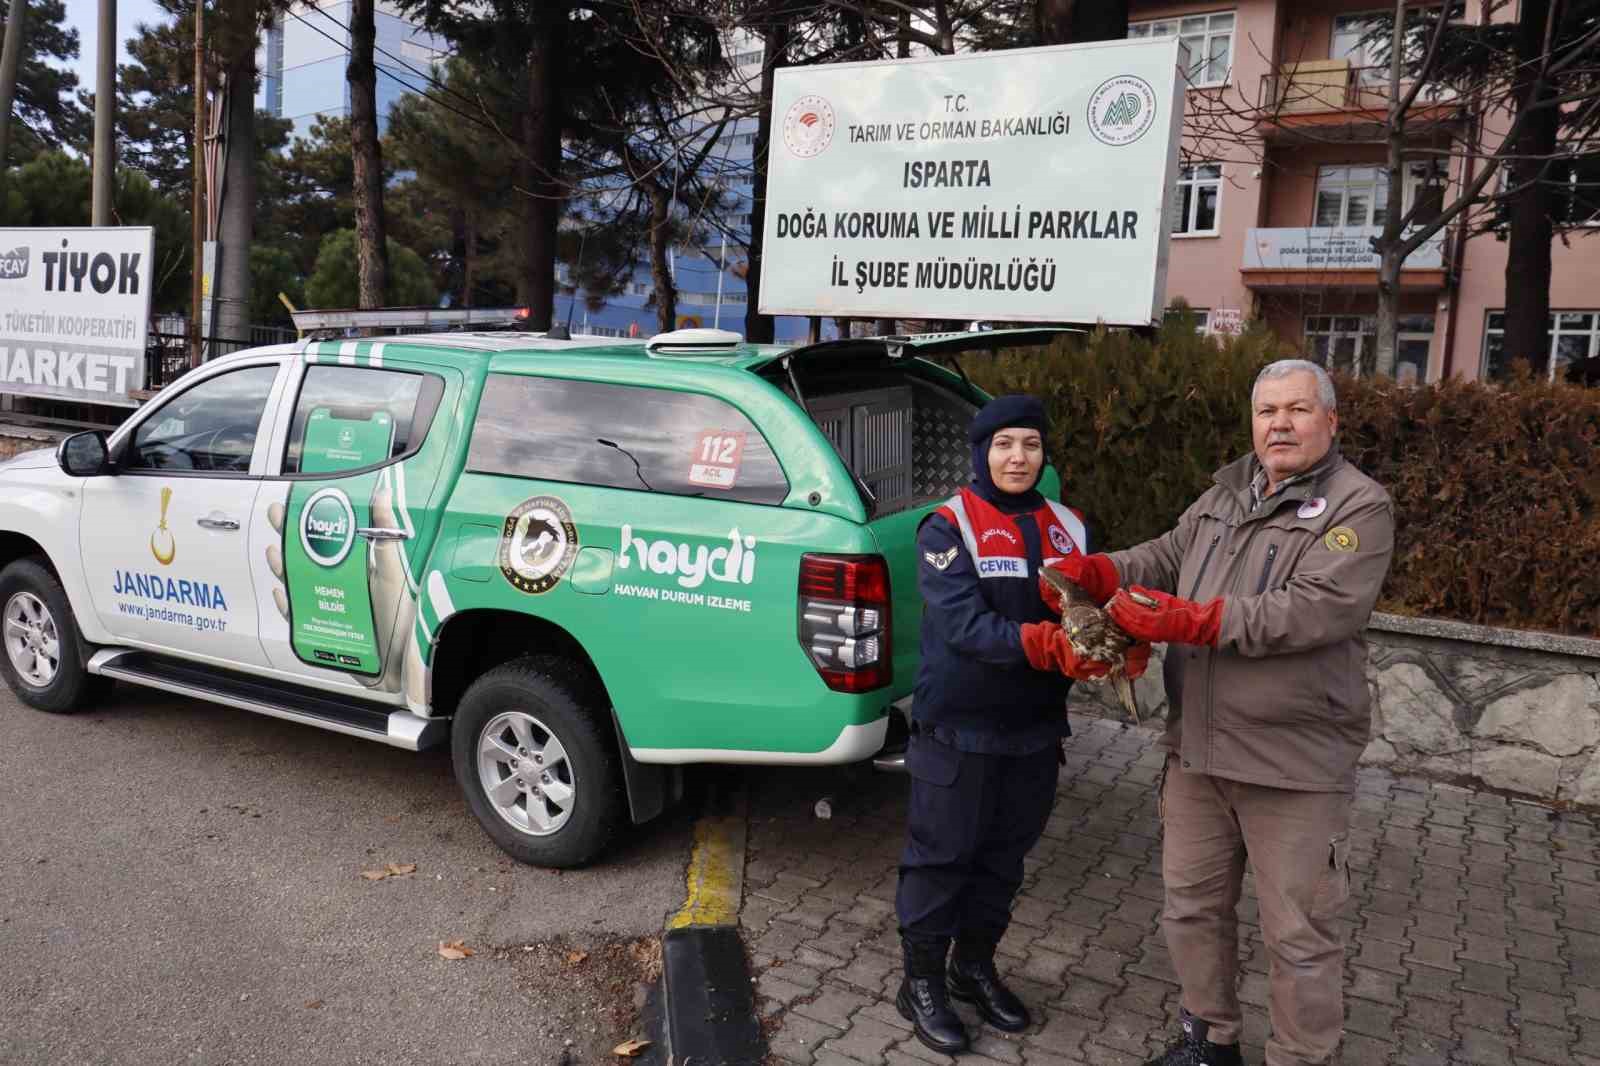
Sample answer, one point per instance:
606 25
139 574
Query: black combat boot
973 979
1193 1049
922 999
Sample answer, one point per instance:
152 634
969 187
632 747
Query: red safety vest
995 543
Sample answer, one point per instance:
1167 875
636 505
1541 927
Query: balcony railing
1330 248
1320 86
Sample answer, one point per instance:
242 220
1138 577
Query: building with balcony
1283 186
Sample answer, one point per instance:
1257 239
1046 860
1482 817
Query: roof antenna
558 332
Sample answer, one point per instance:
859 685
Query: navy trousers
972 820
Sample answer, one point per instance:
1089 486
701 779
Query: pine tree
46 113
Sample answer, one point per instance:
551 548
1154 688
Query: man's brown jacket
1282 700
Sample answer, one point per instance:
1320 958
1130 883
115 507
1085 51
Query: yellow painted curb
715 881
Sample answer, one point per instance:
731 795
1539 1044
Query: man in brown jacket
1262 592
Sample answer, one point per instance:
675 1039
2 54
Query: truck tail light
844 620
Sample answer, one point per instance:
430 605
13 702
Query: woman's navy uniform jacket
975 690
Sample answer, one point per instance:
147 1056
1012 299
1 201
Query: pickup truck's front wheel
537 766
41 662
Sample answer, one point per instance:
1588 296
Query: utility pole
8 70
105 109
198 234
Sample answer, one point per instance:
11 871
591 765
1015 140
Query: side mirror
84 454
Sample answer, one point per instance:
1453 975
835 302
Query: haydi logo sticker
328 527
14 264
734 564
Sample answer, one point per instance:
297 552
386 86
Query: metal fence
166 354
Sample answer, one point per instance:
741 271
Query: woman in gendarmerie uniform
987 722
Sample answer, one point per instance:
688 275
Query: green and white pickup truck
585 562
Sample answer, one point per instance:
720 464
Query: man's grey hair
1284 367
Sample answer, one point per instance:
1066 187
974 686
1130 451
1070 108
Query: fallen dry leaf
630 1047
374 875
399 869
313 1004
454 949
575 957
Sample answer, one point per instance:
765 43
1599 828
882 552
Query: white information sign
74 312
1026 185
1330 248
1226 320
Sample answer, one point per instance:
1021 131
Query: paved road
181 883
1474 927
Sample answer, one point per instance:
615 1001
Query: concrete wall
1512 710
14 440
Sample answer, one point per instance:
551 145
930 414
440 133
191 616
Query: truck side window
210 427
348 417
622 436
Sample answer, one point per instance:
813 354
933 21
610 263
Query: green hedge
1496 488
1497 498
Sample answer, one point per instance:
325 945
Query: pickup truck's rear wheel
42 662
537 765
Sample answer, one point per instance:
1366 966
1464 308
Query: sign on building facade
75 311
1331 248
1026 185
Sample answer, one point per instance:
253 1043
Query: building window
1425 180
1355 37
1577 187
1210 41
1201 316
1574 335
1351 196
1412 347
1194 208
1359 195
1364 39
1350 343
1338 341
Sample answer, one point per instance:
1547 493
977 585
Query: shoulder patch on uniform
1341 539
941 560
1060 540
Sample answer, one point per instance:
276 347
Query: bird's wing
1071 594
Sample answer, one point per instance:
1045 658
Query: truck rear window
623 437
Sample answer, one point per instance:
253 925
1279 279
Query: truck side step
276 699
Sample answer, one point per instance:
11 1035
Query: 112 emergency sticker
717 456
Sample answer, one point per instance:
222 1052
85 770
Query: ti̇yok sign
75 311
1026 185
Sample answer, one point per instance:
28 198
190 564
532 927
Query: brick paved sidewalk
1474 921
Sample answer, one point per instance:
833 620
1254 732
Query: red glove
1175 620
1047 648
1094 574
1136 661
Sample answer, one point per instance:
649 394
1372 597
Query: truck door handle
216 522
378 533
